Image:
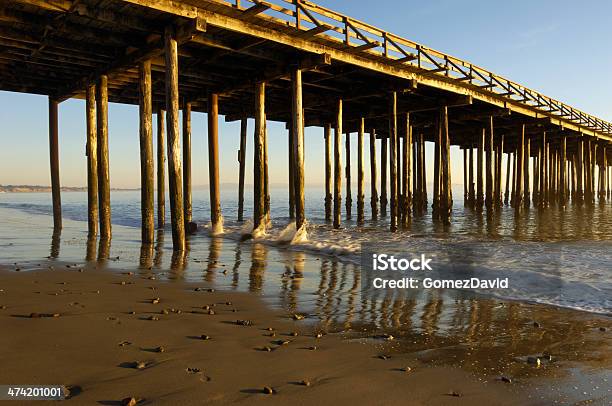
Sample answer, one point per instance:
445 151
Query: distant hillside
43 189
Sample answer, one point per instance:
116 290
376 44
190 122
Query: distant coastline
43 189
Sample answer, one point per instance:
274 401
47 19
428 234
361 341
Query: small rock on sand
305 382
505 379
131 401
298 317
244 322
205 337
268 390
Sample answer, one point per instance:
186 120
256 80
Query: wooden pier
295 62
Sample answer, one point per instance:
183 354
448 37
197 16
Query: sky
560 48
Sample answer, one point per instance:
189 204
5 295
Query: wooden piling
298 131
543 174
446 203
187 202
465 180
580 172
514 162
490 187
562 172
480 169
527 183
373 176
266 174
499 153
337 164
348 203
242 167
360 171
328 173
54 165
507 191
92 162
146 153
291 144
423 173
213 160
407 173
258 158
103 166
384 154
161 169
520 168
393 159
437 175
174 149
471 191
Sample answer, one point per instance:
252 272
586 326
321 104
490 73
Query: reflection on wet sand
258 266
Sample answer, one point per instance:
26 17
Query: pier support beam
187 202
54 165
242 167
373 176
527 183
266 175
360 171
348 204
520 168
92 162
258 159
328 173
437 174
543 189
298 131
213 162
393 159
161 169
146 153
490 186
580 172
174 149
103 168
384 155
480 170
562 172
507 191
446 196
499 153
337 165
407 173
471 191
291 165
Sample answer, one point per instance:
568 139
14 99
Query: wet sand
95 344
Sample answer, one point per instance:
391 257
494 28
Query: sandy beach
108 336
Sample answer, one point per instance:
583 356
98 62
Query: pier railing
317 21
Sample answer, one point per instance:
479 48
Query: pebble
455 394
244 322
313 348
211 312
298 316
282 342
3 307
534 360
602 329
124 343
155 301
139 365
270 329
505 379
319 335
384 357
268 390
132 312
267 349
406 369
193 370
160 349
305 383
205 337
536 324
294 334
164 311
228 303
129 402
153 318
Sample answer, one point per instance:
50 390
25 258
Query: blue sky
561 48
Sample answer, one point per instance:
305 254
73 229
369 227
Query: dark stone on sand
294 334
205 337
282 342
298 316
129 402
455 394
505 379
602 329
536 324
244 322
268 390
384 357
305 382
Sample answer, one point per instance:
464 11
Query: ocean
558 257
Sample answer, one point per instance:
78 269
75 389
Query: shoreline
82 347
